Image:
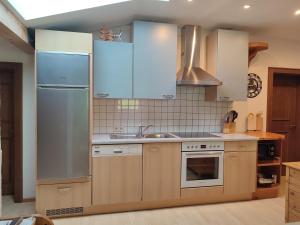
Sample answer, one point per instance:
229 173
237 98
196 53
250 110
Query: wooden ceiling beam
13 30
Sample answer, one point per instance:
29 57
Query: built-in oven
202 164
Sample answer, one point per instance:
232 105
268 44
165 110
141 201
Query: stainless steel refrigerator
62 115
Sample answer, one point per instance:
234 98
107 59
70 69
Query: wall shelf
255 47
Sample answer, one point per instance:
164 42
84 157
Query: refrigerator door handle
63 88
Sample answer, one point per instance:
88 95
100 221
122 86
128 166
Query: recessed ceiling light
247 6
297 12
189 0
32 9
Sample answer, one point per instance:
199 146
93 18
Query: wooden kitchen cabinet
154 68
292 196
161 171
239 172
113 73
241 146
227 60
117 179
63 199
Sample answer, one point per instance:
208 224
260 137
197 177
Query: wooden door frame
271 74
18 127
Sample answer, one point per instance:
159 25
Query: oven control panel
203 146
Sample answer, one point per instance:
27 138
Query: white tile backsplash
188 113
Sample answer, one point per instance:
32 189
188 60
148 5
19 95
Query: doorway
11 129
283 109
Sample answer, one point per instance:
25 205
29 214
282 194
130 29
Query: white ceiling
266 17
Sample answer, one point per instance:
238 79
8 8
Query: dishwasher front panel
117 174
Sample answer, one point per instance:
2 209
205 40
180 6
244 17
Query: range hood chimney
190 73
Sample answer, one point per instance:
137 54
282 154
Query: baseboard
28 200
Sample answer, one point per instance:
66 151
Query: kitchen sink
163 135
134 136
123 136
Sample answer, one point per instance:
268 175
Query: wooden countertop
261 135
294 165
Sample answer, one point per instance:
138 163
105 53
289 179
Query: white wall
9 53
281 53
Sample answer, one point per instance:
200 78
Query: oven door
202 169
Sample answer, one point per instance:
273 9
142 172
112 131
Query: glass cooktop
194 134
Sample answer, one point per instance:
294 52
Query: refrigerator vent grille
64 212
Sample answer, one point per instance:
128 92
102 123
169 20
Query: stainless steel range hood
190 73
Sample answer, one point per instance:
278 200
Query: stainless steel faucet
142 130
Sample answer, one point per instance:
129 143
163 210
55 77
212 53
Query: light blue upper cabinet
113 69
154 68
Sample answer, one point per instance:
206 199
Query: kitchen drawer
293 215
294 200
294 177
241 146
63 196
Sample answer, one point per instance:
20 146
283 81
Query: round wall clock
254 85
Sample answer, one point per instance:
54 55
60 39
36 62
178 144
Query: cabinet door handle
154 149
64 189
168 96
225 98
102 95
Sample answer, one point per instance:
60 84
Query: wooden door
117 179
7 129
161 171
239 173
284 114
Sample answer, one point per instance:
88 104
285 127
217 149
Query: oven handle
204 153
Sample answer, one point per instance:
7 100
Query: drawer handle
65 189
154 149
168 96
102 95
292 193
118 152
224 98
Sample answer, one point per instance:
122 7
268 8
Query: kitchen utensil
232 116
226 118
235 116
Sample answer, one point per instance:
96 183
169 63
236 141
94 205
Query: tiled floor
259 212
11 209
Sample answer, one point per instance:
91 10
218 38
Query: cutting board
259 122
251 122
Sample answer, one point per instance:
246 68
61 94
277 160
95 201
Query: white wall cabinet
155 49
113 69
227 60
62 41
